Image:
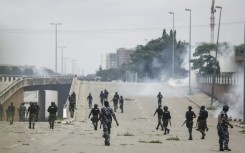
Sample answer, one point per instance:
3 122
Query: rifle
184 122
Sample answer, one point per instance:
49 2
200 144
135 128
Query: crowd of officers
31 113
106 114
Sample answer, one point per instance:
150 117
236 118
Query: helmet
202 107
106 103
225 108
95 105
189 107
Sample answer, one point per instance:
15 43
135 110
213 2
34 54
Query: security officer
222 128
90 99
11 112
165 119
1 112
32 111
189 115
95 112
159 97
115 101
202 121
159 112
121 102
101 98
52 114
106 116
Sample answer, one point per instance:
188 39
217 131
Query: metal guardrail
222 78
30 81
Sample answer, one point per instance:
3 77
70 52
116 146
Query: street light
215 60
189 53
56 24
62 47
173 45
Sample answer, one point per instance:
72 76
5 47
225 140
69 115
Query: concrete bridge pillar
41 102
62 97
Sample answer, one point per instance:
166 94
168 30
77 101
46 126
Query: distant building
115 60
124 56
111 60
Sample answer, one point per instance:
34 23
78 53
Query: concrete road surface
137 130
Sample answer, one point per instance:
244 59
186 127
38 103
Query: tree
205 61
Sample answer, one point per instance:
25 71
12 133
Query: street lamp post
215 60
62 47
55 24
189 53
173 46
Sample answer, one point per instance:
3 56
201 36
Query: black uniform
115 101
106 93
90 99
159 96
1 112
52 114
159 112
189 121
121 101
32 110
72 104
11 112
165 119
102 98
202 121
95 112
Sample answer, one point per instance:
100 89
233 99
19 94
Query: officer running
189 115
202 121
52 114
90 99
106 93
106 115
159 97
159 112
165 119
222 128
101 98
95 112
32 111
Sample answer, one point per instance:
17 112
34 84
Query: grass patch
129 99
153 141
126 134
173 138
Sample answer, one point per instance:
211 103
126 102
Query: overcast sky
92 28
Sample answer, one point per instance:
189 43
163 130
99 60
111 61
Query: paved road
134 134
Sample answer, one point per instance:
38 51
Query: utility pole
215 60
62 47
55 24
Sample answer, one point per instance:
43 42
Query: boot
203 136
221 149
228 149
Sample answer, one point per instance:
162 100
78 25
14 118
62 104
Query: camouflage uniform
202 121
106 116
102 98
159 96
32 110
222 128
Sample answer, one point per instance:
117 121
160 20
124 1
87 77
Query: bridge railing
23 82
222 78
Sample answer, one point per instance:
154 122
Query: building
124 56
111 60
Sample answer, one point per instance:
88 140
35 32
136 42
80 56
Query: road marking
13 145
